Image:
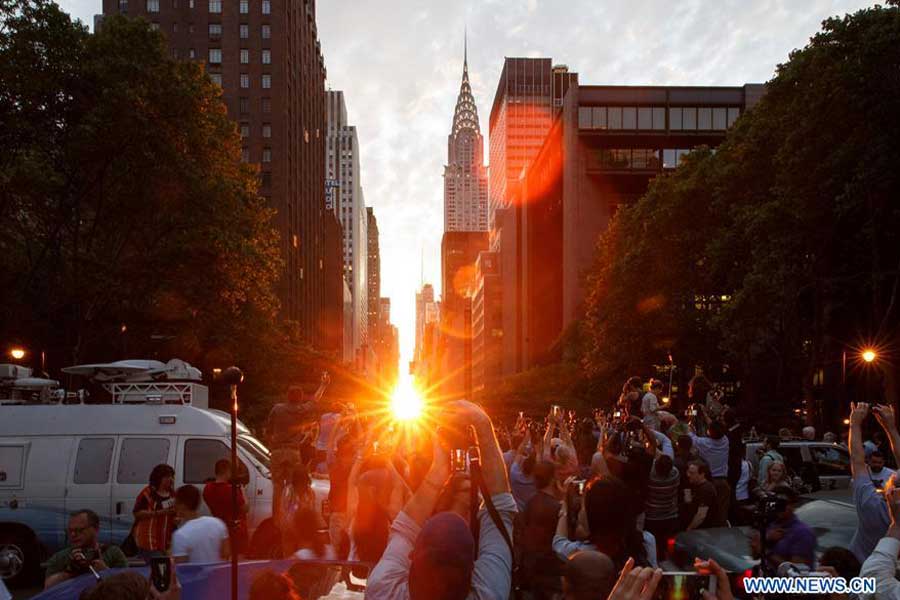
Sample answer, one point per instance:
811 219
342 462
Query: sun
406 402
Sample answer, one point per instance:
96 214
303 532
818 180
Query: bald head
589 575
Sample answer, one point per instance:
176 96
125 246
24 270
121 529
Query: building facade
343 174
605 146
487 323
465 177
373 276
265 54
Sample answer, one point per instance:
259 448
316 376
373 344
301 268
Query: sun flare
406 401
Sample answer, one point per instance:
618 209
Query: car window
200 456
139 456
793 457
831 460
92 463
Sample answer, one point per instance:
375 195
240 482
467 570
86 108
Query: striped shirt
154 533
662 496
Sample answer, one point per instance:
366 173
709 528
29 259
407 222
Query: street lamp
869 355
17 353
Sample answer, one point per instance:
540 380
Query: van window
139 456
92 463
12 466
200 458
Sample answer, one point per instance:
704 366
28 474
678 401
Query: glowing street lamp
869 355
17 353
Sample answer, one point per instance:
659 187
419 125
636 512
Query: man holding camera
430 555
85 553
788 538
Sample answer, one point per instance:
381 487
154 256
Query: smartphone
555 410
459 460
684 585
161 572
617 414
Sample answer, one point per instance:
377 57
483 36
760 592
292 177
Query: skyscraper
267 58
342 171
465 177
373 269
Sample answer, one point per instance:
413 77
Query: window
629 118
267 155
93 462
192 54
659 117
245 31
245 81
831 461
599 117
266 7
216 78
243 105
266 81
152 6
245 7
720 118
215 30
174 27
266 105
584 117
614 117
154 26
265 179
200 458
267 130
267 57
704 119
215 6
733 114
245 56
645 118
245 130
139 456
669 159
190 28
123 6
245 155
190 3
266 32
215 56
689 118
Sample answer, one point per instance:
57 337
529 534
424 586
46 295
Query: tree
131 225
792 224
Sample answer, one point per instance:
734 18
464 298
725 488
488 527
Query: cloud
400 61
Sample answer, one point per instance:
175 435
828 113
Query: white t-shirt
741 491
650 404
200 540
308 554
879 479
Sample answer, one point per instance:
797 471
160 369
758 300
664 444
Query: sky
399 63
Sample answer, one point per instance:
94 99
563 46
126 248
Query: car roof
841 497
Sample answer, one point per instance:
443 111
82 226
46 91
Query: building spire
466 114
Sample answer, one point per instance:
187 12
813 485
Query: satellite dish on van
136 370
35 382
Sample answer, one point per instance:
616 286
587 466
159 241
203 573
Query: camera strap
478 479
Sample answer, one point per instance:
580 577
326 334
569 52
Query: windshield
257 450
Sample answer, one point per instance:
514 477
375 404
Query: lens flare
406 401
868 355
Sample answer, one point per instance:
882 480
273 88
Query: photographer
871 511
84 551
788 538
430 556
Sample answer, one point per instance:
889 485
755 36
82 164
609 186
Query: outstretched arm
885 416
858 413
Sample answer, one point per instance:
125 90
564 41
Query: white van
59 458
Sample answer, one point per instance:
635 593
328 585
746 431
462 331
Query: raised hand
636 583
885 415
858 413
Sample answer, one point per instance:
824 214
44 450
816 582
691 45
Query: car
821 465
830 514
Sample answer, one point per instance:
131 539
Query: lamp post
231 377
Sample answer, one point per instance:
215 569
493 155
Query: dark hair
699 386
876 454
702 467
613 526
159 473
788 492
544 474
126 585
223 465
656 384
188 496
773 441
663 465
92 518
842 560
729 416
716 430
685 442
269 585
635 382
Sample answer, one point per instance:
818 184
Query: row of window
215 56
265 81
266 130
639 158
266 155
215 6
653 118
244 105
215 31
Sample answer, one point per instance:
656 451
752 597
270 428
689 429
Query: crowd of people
551 506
